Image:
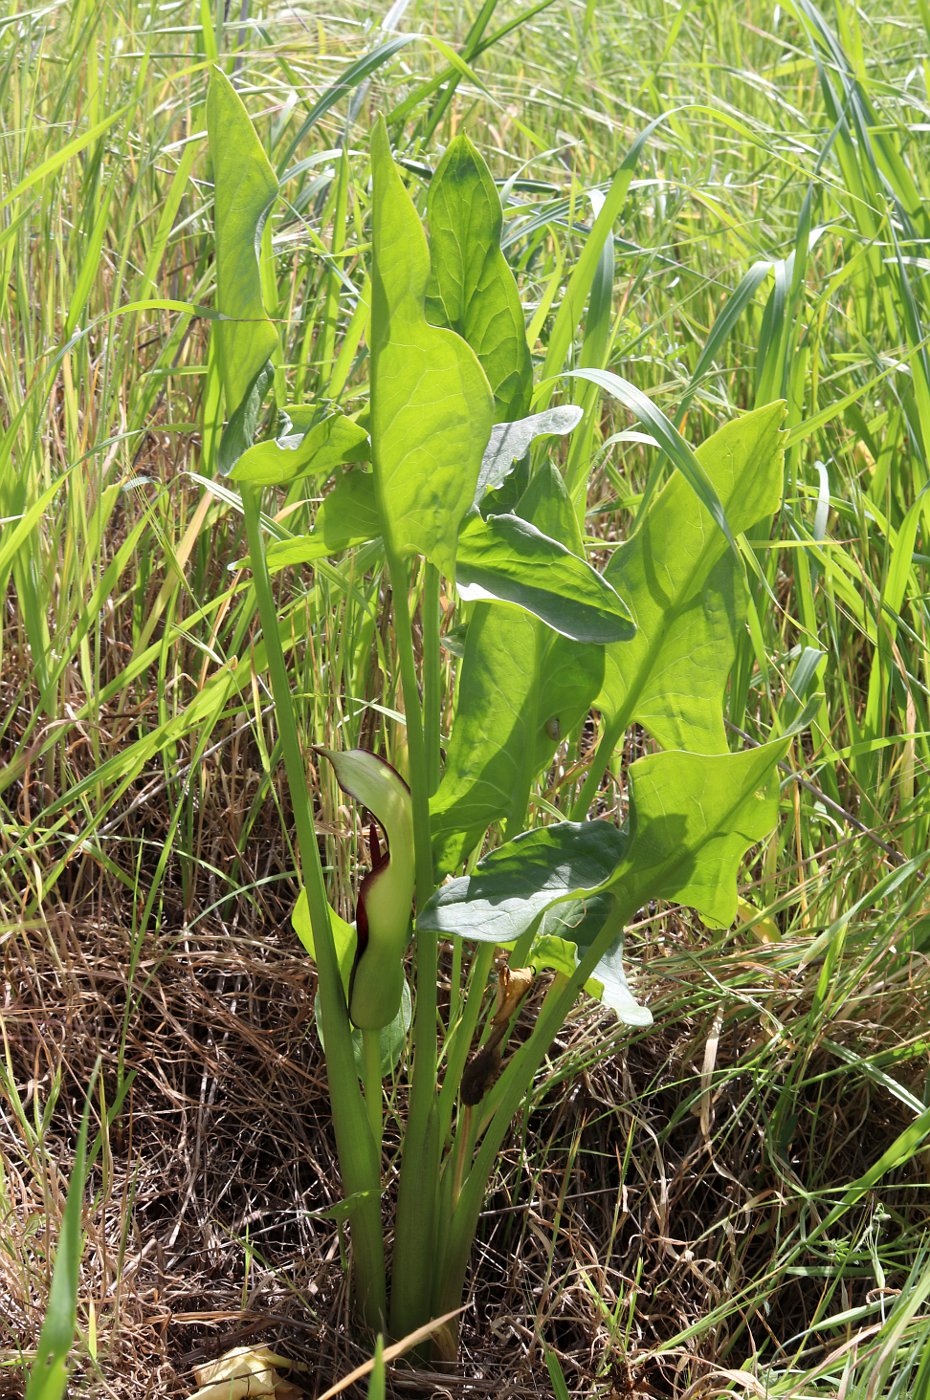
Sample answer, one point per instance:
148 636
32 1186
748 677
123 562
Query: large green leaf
510 441
316 451
566 932
507 558
523 688
347 516
471 287
685 590
692 819
513 887
431 406
244 187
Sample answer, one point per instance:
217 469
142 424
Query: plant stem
613 732
462 1034
431 614
371 1060
505 1100
414 1235
358 1160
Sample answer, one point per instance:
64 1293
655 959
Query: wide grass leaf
686 592
244 187
431 406
471 287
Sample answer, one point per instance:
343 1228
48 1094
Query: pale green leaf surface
244 187
431 406
513 886
508 559
318 451
523 688
685 590
566 931
346 517
693 817
510 441
471 287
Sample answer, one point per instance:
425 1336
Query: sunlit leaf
431 406
685 589
317 451
244 187
471 287
509 559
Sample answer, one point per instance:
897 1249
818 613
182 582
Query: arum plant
449 476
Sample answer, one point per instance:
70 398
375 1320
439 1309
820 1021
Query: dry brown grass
639 1195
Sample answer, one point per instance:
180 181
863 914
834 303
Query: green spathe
386 895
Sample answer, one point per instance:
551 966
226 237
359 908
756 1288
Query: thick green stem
359 1162
613 733
431 615
415 1230
371 1060
462 1034
504 1102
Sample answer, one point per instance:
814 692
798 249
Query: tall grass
773 241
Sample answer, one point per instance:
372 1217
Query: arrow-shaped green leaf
244 187
693 817
431 406
471 287
683 585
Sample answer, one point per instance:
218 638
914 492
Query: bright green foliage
471 287
557 635
347 516
510 441
692 819
245 186
522 688
683 585
317 451
431 407
507 558
566 932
